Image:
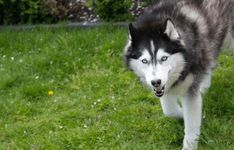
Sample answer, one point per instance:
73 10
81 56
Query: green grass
97 103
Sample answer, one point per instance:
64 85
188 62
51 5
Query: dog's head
156 54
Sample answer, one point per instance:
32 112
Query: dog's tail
229 40
232 18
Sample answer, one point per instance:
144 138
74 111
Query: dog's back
214 17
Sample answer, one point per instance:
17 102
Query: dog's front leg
171 107
192 111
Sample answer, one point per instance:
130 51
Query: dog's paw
190 144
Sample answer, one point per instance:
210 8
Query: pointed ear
132 31
171 31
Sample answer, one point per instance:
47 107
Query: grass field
68 89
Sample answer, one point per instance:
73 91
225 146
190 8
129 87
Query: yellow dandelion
50 93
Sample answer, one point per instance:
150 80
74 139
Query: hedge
52 11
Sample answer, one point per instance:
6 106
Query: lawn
68 89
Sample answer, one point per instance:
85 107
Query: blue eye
144 61
164 58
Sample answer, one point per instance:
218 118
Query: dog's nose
156 83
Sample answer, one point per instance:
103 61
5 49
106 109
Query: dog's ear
132 31
171 30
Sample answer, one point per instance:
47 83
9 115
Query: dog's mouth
159 92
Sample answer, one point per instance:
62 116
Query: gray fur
196 32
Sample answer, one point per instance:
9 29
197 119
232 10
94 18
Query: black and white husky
172 48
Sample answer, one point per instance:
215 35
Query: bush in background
53 11
72 10
138 7
121 10
112 10
44 11
23 11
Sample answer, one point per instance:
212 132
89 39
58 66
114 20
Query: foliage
23 11
69 9
51 11
138 6
43 11
112 10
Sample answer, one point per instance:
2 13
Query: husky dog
172 48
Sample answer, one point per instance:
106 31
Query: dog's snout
156 83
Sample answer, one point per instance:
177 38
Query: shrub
113 10
23 11
44 11
121 10
52 11
69 9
